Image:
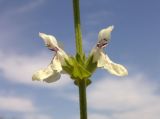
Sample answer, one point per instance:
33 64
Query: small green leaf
67 69
76 69
80 59
79 72
90 65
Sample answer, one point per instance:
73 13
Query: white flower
103 61
53 71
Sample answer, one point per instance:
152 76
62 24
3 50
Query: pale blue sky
135 44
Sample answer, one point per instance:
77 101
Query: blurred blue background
135 44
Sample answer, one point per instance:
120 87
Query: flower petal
48 75
105 33
53 45
50 41
104 36
56 64
113 68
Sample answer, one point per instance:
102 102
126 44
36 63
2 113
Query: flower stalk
82 82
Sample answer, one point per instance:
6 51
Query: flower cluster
78 67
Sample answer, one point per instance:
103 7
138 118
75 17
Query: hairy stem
79 51
82 99
77 26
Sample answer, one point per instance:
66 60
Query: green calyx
80 68
76 69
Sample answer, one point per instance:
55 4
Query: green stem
82 99
79 50
78 34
